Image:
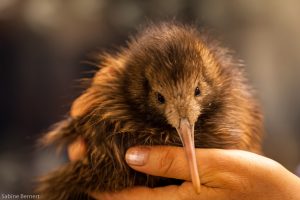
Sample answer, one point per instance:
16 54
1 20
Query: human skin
224 175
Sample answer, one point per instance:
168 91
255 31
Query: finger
171 162
141 193
83 103
77 150
185 191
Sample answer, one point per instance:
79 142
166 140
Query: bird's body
169 74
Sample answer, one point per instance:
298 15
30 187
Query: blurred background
42 44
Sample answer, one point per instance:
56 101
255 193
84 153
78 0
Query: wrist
287 184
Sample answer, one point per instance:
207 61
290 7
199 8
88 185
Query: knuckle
167 161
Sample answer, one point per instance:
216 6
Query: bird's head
171 72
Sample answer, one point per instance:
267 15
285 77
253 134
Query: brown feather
119 110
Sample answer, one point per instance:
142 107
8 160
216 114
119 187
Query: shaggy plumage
137 97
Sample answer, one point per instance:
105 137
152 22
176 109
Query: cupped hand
224 175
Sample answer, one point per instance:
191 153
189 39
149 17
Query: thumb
171 162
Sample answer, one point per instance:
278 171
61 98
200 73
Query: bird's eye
160 98
197 92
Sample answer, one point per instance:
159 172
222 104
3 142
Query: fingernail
137 156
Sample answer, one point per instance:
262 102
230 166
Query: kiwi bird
171 85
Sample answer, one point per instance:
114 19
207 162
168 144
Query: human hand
224 174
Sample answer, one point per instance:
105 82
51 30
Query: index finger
184 191
140 193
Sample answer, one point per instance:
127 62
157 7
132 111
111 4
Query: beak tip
196 182
197 189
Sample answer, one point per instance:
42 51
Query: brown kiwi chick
170 86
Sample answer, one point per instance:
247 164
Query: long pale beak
186 133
